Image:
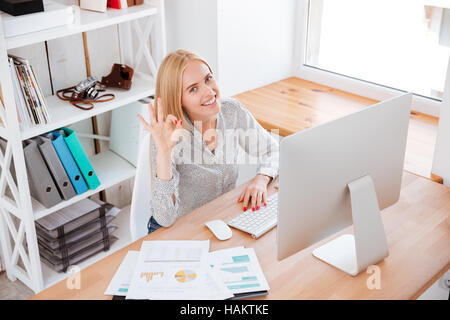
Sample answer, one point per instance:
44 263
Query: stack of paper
184 270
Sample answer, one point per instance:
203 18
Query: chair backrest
140 200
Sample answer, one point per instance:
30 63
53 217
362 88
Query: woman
196 136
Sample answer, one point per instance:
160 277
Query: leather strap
63 248
62 94
104 228
91 102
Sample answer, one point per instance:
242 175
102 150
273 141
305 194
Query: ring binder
55 167
42 186
80 157
68 162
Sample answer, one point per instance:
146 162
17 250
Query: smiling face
200 96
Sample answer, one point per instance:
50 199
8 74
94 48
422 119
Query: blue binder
80 157
68 163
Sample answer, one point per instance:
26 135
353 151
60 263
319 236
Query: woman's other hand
162 130
254 195
165 134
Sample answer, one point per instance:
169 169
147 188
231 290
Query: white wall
192 25
441 159
256 43
248 43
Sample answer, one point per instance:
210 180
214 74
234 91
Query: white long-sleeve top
200 175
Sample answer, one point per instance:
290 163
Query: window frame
356 86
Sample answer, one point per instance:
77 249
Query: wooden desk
417 228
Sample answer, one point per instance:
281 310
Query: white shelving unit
18 234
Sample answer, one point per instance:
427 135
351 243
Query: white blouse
200 175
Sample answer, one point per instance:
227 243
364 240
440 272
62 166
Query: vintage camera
86 89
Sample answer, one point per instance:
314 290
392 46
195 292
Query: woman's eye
194 89
208 78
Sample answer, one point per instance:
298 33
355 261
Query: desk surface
417 228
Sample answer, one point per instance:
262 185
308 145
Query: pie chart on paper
185 275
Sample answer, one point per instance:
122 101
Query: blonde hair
169 82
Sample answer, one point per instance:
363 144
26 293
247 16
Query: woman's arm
164 197
259 143
164 202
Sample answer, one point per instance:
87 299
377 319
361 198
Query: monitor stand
368 246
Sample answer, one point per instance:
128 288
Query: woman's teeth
209 102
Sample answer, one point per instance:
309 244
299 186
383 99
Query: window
399 44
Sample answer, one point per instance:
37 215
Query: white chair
140 199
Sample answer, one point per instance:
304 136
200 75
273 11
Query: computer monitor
340 173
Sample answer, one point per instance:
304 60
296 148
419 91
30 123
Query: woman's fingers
241 197
151 112
145 123
160 111
258 200
171 119
264 199
254 195
246 199
253 198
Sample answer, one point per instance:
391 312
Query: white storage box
54 15
127 131
94 5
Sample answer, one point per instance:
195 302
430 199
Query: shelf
63 113
89 20
110 168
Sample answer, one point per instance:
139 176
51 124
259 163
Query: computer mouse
220 229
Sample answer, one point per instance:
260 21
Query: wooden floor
299 104
13 290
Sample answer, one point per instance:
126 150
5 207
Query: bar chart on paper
239 270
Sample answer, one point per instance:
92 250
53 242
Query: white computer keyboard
260 221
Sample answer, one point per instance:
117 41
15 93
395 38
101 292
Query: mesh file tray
62 222
75 248
62 264
75 235
59 245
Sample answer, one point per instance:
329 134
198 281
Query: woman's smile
210 103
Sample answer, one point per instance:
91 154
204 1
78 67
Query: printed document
175 270
238 269
121 281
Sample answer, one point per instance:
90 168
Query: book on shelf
115 4
30 100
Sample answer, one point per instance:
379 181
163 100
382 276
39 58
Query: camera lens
92 93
